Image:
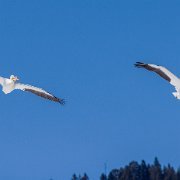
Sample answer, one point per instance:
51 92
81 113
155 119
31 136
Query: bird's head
14 78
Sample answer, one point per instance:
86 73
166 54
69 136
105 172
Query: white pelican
8 85
164 73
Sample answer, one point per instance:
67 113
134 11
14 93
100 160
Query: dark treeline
138 171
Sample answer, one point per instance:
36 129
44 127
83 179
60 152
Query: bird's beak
16 78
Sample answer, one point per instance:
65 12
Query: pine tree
74 177
144 174
155 170
85 177
103 177
113 175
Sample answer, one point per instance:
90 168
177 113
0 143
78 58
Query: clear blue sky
84 51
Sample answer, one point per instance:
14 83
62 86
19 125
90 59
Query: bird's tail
176 95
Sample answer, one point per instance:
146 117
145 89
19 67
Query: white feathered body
8 86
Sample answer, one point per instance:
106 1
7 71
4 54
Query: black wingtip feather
139 64
61 101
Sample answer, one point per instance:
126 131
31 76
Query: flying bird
10 84
164 73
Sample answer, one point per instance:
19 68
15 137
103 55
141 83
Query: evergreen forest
137 171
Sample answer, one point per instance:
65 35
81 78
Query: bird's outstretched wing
39 92
162 71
